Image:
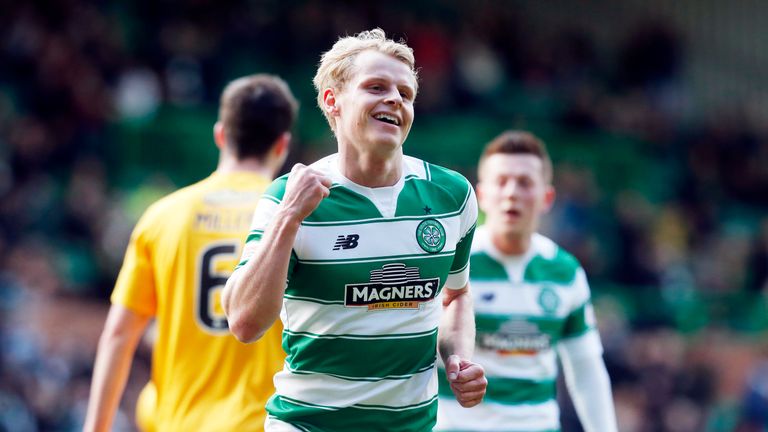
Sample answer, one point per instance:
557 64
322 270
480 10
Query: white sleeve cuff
459 279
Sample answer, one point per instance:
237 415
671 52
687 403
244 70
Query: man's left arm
588 382
581 353
456 344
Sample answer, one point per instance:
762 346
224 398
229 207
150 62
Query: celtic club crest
431 235
549 300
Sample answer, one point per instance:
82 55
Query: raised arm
253 295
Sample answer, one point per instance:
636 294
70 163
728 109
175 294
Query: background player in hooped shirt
179 257
366 239
531 301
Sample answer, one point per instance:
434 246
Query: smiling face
514 194
373 112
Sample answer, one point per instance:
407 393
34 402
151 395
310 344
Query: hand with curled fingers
304 191
467 380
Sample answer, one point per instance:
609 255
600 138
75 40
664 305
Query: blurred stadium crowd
105 106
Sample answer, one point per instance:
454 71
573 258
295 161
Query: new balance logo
346 242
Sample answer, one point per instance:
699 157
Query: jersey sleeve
581 319
459 274
135 286
262 216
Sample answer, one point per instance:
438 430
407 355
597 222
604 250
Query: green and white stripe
317 417
318 318
373 360
351 368
333 392
524 306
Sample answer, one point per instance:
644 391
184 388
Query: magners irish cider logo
394 286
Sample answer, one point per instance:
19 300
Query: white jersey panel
496 298
316 318
539 367
318 242
316 389
492 417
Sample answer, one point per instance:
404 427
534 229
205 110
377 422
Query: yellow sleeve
135 287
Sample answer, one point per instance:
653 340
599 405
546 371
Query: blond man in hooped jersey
179 257
532 303
374 247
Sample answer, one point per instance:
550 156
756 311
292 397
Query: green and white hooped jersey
524 306
361 307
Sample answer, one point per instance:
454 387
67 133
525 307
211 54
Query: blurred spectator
755 410
758 261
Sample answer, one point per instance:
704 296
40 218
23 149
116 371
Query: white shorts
274 425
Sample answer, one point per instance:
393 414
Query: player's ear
219 137
329 102
478 190
549 198
282 145
279 151
481 204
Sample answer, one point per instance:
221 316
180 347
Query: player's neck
371 169
252 165
512 244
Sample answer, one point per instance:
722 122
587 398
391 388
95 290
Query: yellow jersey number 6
215 264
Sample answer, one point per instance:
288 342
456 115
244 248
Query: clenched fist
467 380
304 191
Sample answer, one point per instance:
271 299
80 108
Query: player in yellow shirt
180 255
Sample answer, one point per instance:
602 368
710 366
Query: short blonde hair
336 64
